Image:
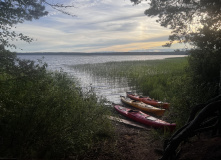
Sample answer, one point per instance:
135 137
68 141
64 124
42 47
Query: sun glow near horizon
129 47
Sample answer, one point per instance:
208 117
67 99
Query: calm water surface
103 87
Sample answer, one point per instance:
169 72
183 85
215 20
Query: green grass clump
45 114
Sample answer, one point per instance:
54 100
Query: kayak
145 118
148 100
143 106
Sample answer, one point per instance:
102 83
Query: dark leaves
14 12
188 18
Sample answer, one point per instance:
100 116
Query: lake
102 87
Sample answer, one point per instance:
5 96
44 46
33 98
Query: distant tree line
106 53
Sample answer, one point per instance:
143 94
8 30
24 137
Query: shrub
204 70
45 114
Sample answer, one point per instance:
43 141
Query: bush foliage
204 69
45 114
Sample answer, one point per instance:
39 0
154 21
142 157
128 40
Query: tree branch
59 7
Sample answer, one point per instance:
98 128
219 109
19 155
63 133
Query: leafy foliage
14 12
197 22
46 115
204 70
192 21
18 11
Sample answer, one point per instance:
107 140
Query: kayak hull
143 106
145 118
148 100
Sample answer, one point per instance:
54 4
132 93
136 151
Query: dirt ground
202 148
137 144
129 144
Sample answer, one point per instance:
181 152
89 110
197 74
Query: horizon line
105 53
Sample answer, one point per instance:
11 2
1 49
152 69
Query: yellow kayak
143 106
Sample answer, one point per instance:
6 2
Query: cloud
100 25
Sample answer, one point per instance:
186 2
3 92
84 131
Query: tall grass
146 76
160 79
45 114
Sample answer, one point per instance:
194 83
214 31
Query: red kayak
148 100
144 118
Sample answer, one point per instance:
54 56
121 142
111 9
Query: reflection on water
103 87
110 89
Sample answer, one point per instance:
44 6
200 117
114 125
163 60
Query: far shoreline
104 53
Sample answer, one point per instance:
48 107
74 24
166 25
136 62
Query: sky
98 26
